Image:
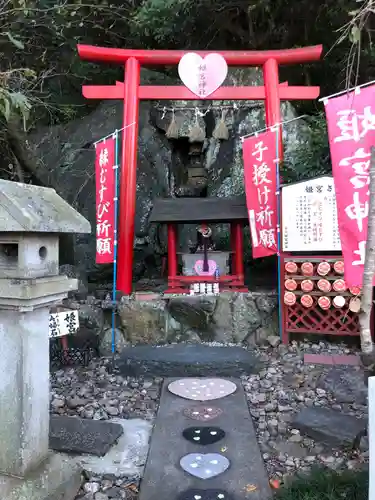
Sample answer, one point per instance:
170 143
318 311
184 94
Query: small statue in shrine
204 238
203 244
196 182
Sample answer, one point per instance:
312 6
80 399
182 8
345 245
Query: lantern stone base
57 478
28 471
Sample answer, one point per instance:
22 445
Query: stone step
82 435
330 427
183 360
164 478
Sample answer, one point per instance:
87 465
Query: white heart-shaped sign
204 465
202 75
202 389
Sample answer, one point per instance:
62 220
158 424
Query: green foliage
40 73
312 159
14 102
159 18
323 484
15 41
259 25
39 59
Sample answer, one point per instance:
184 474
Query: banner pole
115 135
278 205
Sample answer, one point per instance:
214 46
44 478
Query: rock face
65 158
240 318
152 319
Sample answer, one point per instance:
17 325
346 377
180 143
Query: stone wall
150 318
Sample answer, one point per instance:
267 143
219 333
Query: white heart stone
213 433
202 389
210 465
197 439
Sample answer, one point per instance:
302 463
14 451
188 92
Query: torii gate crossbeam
131 92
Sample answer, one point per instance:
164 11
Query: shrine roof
37 209
186 210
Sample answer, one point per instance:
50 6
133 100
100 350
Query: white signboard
309 216
63 323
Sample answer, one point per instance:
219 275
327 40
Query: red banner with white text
351 131
105 194
259 155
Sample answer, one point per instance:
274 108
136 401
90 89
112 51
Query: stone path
276 395
179 442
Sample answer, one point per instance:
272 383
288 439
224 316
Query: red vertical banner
105 195
351 131
259 154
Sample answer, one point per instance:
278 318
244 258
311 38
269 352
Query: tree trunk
17 140
367 346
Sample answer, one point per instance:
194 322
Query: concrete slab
350 360
164 478
58 478
78 435
318 359
323 359
128 456
184 360
330 427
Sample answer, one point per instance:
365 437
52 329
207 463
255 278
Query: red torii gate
272 92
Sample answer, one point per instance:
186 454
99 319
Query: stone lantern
31 219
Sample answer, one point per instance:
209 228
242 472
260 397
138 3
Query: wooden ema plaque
315 308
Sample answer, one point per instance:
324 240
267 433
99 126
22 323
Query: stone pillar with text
31 219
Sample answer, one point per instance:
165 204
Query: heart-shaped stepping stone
202 389
204 465
209 494
203 435
203 413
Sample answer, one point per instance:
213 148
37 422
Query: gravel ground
93 392
285 386
275 395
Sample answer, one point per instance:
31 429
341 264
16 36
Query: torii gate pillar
131 92
128 180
